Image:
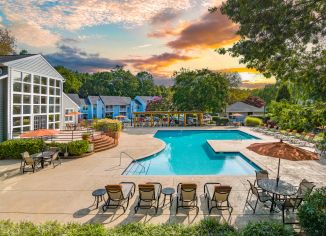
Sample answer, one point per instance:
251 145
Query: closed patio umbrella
282 150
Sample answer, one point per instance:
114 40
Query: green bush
209 226
312 213
13 148
266 228
108 125
76 148
62 146
253 121
220 120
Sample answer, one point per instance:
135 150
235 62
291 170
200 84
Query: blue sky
159 36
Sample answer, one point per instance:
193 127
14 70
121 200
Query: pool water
188 153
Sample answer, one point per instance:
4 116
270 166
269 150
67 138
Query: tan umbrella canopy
73 113
39 133
282 150
120 117
236 115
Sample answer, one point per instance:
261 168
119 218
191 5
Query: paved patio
64 193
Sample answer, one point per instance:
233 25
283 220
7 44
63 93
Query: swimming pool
188 153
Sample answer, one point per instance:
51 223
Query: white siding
3 83
36 65
67 103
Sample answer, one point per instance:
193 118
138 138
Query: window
109 107
26 120
52 82
27 88
17 98
68 118
36 89
16 121
43 100
17 110
43 89
57 101
51 109
44 81
26 109
85 108
17 87
37 79
57 109
250 113
27 99
57 83
36 109
37 99
27 78
43 109
17 76
51 91
51 100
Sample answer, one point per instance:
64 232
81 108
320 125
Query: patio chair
305 188
54 158
262 174
149 196
187 196
259 194
285 205
217 194
27 160
119 195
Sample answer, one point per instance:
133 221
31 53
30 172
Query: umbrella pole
278 172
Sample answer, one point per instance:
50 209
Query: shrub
76 148
62 146
211 226
221 120
106 125
13 148
253 121
312 213
266 228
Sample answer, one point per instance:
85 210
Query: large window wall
36 102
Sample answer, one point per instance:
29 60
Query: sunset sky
159 36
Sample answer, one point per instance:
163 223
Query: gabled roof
68 97
32 63
93 99
116 100
8 58
243 107
76 99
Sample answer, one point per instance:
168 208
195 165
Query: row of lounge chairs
292 136
217 196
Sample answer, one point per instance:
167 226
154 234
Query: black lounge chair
27 160
217 194
119 195
149 196
261 196
187 196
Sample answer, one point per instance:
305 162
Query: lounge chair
27 160
217 194
259 194
119 195
262 174
187 196
149 196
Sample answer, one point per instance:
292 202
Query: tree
200 90
7 42
23 52
238 95
234 79
254 101
160 104
147 86
72 83
283 94
267 93
282 38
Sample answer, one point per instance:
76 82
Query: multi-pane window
35 97
68 118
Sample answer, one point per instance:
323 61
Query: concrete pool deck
64 193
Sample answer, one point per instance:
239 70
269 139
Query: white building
244 109
30 95
68 106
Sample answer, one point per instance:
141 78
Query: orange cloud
169 31
213 30
156 63
240 70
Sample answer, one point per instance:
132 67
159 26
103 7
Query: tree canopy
285 39
7 42
200 90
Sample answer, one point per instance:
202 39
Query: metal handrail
135 161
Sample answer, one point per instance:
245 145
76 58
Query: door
40 122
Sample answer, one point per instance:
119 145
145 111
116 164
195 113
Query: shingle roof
4 59
243 107
93 99
116 100
79 101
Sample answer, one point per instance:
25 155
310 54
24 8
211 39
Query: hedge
312 213
76 148
208 226
106 125
13 148
220 120
253 121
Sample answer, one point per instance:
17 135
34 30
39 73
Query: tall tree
283 93
267 93
200 90
147 86
23 52
7 42
284 38
72 83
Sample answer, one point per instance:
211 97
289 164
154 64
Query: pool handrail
133 159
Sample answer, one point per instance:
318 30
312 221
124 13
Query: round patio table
168 192
282 188
99 196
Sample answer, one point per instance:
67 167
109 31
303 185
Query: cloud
143 46
73 15
156 63
169 30
165 16
240 70
213 30
77 59
30 33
